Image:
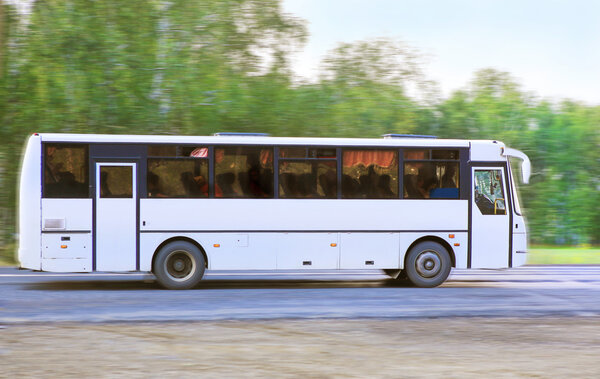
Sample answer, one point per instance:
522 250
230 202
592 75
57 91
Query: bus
177 206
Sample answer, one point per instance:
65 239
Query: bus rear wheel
428 264
179 265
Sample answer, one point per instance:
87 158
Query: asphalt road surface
531 291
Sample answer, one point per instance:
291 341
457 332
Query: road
531 291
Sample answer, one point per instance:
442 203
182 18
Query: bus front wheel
427 264
179 265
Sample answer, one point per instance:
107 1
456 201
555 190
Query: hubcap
428 264
180 265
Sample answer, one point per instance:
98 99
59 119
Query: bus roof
252 140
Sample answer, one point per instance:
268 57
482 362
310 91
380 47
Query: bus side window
116 182
66 171
369 174
245 172
310 179
431 174
177 177
489 192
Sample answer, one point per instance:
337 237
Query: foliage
197 67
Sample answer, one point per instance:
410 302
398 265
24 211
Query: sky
551 47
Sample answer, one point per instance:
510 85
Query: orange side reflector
217 245
451 235
63 246
457 244
333 245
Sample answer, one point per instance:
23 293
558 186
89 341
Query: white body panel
67 235
485 151
519 246
307 251
30 194
75 214
67 246
519 250
116 227
369 250
67 265
308 228
242 215
67 252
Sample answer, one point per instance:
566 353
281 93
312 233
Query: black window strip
339 173
211 172
276 172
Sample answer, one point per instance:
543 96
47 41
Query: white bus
177 206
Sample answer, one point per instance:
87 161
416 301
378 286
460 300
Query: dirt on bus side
444 347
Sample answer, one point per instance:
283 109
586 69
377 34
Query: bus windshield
515 193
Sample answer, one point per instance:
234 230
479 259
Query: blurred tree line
201 66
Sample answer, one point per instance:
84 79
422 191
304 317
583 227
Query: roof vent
391 136
236 134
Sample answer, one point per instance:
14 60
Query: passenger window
489 192
310 179
116 182
370 174
173 177
245 172
66 171
431 174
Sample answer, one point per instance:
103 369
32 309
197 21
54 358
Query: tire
179 265
427 264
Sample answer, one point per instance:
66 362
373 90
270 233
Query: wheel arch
437 239
180 238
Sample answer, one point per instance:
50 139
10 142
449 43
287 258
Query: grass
555 255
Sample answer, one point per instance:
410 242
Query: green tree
188 67
367 83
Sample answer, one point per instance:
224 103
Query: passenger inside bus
194 186
225 182
104 190
419 185
154 187
254 184
383 190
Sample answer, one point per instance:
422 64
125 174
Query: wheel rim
180 265
428 264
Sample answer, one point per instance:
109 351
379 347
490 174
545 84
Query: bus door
490 223
116 216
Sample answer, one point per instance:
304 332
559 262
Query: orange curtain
381 158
